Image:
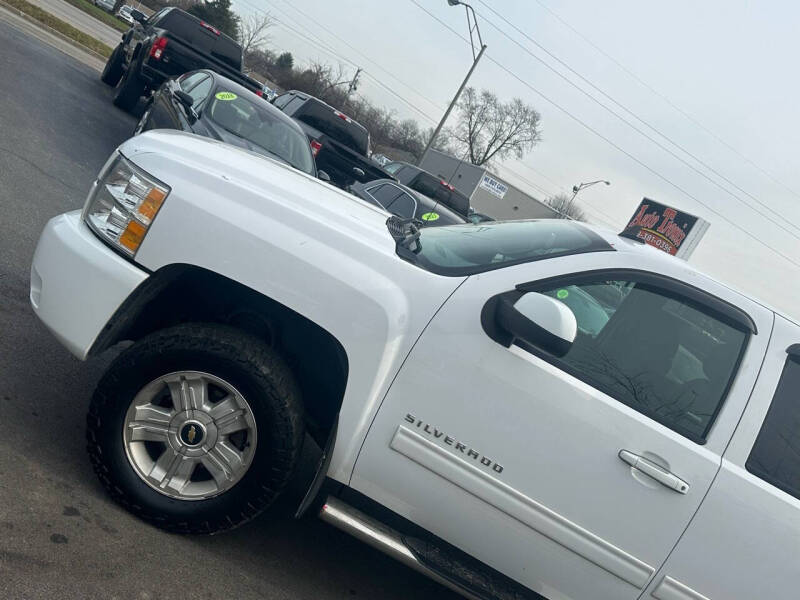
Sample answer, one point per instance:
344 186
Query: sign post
668 229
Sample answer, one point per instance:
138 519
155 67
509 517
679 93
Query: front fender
317 250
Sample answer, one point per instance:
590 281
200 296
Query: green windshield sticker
226 96
430 216
561 294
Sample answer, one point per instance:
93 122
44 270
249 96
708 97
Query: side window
403 206
775 456
664 356
189 81
201 90
293 104
282 100
393 199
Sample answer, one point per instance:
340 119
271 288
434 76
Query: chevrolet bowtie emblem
190 435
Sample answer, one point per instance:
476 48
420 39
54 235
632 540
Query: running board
445 565
379 536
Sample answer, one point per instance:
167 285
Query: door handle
651 469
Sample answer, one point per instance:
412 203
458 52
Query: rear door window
200 91
282 100
394 199
187 82
775 456
293 104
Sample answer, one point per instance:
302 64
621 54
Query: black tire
129 89
254 369
112 72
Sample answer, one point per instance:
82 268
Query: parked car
268 93
208 104
476 217
340 144
107 5
405 202
429 184
170 43
124 13
474 425
381 159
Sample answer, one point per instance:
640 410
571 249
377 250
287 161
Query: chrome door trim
671 589
516 505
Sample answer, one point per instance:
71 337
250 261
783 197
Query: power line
611 142
357 51
334 54
634 127
666 99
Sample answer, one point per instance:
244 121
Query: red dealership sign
668 229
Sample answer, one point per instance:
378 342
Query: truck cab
533 409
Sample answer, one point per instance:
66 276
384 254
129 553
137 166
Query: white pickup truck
519 410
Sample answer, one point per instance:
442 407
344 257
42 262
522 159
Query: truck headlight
122 205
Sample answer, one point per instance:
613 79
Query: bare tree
254 31
565 206
490 129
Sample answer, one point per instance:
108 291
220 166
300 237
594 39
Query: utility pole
474 36
354 83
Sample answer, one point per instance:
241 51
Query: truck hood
272 179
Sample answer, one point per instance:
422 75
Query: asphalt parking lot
60 536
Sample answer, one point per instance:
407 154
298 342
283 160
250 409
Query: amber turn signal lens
152 202
133 235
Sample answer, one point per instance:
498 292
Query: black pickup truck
169 43
339 144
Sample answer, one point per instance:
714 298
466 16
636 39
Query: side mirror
138 15
538 320
323 176
358 172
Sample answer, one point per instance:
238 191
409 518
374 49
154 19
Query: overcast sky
728 64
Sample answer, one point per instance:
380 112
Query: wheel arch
182 293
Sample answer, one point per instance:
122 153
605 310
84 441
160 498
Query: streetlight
583 186
474 33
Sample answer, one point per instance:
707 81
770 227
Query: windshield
260 124
468 249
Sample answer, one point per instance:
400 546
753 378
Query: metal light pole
582 186
474 35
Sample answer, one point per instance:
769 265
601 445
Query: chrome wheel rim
190 435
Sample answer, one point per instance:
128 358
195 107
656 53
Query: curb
51 31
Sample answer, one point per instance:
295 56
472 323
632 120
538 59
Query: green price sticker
430 216
226 96
561 294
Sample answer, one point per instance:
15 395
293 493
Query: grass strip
99 14
60 26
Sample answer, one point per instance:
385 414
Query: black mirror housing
184 98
